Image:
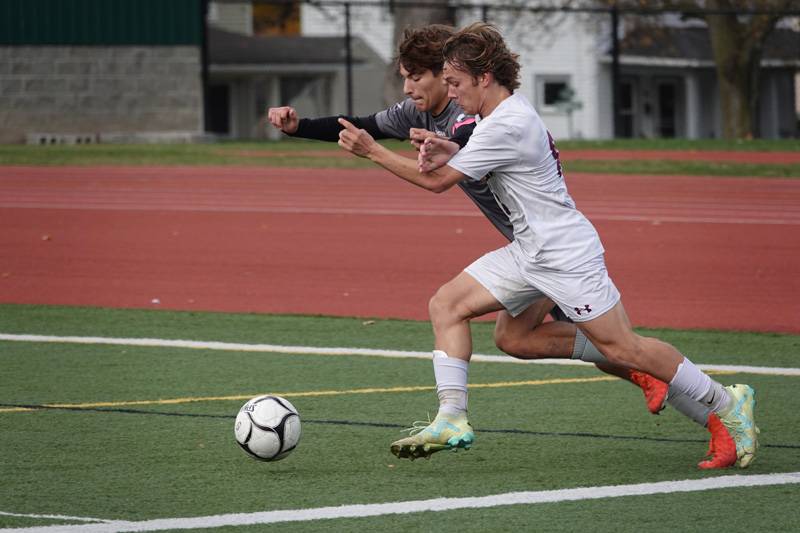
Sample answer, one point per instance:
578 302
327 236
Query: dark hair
479 48
421 48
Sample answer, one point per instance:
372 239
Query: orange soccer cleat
655 391
721 448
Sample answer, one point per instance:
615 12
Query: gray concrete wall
97 90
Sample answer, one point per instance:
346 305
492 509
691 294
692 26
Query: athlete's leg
595 287
721 447
612 334
451 309
526 336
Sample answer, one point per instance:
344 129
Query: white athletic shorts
583 293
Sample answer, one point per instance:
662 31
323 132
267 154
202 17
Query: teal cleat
740 423
446 432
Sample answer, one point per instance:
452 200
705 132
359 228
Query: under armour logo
585 308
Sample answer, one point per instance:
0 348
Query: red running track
686 252
716 156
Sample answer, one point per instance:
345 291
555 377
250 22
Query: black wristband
328 128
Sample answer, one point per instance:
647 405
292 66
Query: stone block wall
96 90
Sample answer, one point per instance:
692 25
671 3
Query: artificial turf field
94 434
140 433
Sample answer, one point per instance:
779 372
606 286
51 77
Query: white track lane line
311 350
434 505
395 212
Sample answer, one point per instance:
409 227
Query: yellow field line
172 401
306 394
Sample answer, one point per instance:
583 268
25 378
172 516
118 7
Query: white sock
692 382
451 383
717 399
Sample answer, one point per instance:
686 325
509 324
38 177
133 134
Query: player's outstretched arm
361 143
284 118
435 153
322 128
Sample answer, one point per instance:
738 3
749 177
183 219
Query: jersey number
554 151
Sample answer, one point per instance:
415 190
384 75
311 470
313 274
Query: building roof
228 48
693 45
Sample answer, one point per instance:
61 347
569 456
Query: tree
738 43
738 30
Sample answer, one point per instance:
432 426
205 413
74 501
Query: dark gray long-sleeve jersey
395 122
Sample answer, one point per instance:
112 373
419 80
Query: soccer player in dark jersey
427 111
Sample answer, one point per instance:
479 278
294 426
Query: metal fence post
348 58
204 66
615 70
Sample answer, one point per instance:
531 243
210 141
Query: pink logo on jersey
464 122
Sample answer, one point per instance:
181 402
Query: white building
667 88
667 79
250 73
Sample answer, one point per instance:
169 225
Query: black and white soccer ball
267 428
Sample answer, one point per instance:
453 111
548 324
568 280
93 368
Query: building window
553 91
276 19
550 91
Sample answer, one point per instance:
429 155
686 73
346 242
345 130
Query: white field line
311 350
433 505
55 517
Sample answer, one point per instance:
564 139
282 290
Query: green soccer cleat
740 423
446 432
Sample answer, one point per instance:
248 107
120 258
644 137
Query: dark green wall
100 22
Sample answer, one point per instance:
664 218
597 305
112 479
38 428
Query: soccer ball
267 428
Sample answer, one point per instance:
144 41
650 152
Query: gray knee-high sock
585 350
688 407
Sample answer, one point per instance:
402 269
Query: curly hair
479 48
421 48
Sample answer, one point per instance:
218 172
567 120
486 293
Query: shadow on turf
378 424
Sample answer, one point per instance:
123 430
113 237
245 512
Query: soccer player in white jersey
428 111
556 251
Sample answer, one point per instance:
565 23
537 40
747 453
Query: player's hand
283 118
418 136
354 140
435 153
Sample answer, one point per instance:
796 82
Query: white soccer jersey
512 149
399 118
